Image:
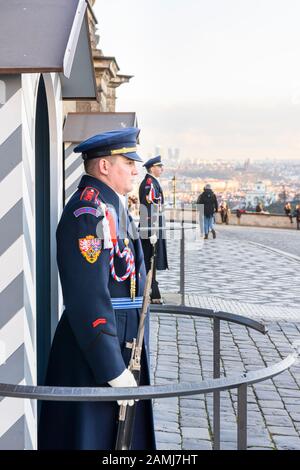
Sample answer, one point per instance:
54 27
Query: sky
218 79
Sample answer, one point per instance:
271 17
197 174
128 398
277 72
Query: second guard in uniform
152 222
102 272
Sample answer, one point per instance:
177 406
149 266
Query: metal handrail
144 392
215 385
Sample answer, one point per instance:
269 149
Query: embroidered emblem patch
90 248
88 210
149 180
89 194
99 321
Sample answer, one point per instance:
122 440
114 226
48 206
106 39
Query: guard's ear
103 166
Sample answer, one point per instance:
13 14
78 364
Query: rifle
127 413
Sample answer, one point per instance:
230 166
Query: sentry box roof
48 36
81 126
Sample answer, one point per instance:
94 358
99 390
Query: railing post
216 395
182 273
242 418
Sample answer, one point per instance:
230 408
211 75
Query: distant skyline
218 79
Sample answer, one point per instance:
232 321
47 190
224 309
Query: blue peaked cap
118 142
153 161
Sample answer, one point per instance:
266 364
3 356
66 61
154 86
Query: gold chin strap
123 150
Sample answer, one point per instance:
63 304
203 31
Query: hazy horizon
220 80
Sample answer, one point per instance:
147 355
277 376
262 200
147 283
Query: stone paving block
273 404
188 357
228 435
283 431
165 417
187 369
168 437
259 441
264 386
287 442
291 401
268 395
275 412
196 444
164 381
166 349
163 359
287 385
192 402
190 377
169 365
166 410
259 429
255 421
293 408
278 421
190 368
166 426
284 392
198 397
188 349
192 421
195 433
167 446
228 445
253 407
167 374
197 412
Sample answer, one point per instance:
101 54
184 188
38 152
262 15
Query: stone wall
248 219
260 220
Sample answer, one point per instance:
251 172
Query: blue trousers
208 224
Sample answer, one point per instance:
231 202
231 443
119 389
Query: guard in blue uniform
102 274
152 223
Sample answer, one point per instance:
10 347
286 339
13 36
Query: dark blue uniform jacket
152 221
89 346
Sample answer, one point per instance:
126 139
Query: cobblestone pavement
281 239
250 283
235 270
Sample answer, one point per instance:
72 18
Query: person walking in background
297 215
239 215
210 203
288 211
224 210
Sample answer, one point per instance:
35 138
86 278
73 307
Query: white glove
153 239
126 379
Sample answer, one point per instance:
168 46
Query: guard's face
157 170
121 174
